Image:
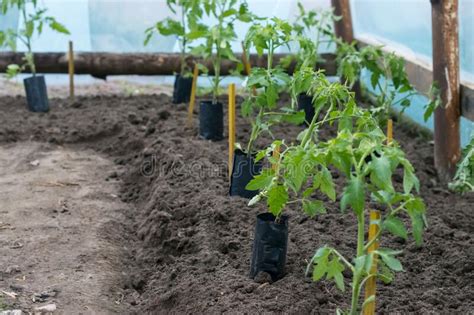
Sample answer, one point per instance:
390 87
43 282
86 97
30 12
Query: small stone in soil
263 277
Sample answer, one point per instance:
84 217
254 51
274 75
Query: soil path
55 216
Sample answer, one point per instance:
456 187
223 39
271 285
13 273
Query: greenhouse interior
236 156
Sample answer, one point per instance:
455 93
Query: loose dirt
189 244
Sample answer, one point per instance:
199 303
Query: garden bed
193 241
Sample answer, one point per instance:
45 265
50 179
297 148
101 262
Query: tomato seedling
302 172
261 108
32 26
186 29
219 37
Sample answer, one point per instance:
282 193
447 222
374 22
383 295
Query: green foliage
360 153
186 30
261 108
312 29
33 24
218 38
387 77
464 179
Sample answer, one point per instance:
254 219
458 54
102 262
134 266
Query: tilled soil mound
193 242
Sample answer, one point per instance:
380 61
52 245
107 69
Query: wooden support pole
343 27
71 69
389 131
444 14
192 100
370 285
231 115
245 60
276 156
103 64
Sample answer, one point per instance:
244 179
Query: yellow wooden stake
192 101
389 131
231 126
245 60
276 156
370 286
71 69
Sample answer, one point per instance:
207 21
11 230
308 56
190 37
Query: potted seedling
261 109
185 30
312 30
217 47
33 23
304 169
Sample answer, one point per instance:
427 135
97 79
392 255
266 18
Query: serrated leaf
354 195
326 184
313 208
410 181
395 226
261 180
390 260
277 197
381 172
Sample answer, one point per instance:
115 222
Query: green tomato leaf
354 195
381 172
313 208
389 259
262 180
277 197
395 226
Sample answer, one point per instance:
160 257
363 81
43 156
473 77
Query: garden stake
370 285
193 96
71 69
248 68
276 156
389 131
245 60
231 126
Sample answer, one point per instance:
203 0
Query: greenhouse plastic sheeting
118 25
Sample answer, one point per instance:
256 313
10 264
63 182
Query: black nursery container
269 247
211 120
305 102
244 169
182 89
36 94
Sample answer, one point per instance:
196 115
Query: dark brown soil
193 242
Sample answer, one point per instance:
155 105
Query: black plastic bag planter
36 94
182 89
269 247
211 120
244 169
305 102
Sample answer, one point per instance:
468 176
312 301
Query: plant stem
355 293
29 55
356 285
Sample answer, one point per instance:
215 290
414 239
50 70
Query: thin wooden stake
276 156
71 69
245 60
192 101
231 126
389 131
370 286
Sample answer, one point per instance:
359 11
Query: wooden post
245 60
444 15
193 95
370 285
276 156
231 126
71 69
343 27
389 131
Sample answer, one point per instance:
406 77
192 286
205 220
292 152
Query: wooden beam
445 31
343 27
103 64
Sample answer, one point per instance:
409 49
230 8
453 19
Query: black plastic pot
182 89
269 247
244 169
305 103
211 120
36 94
